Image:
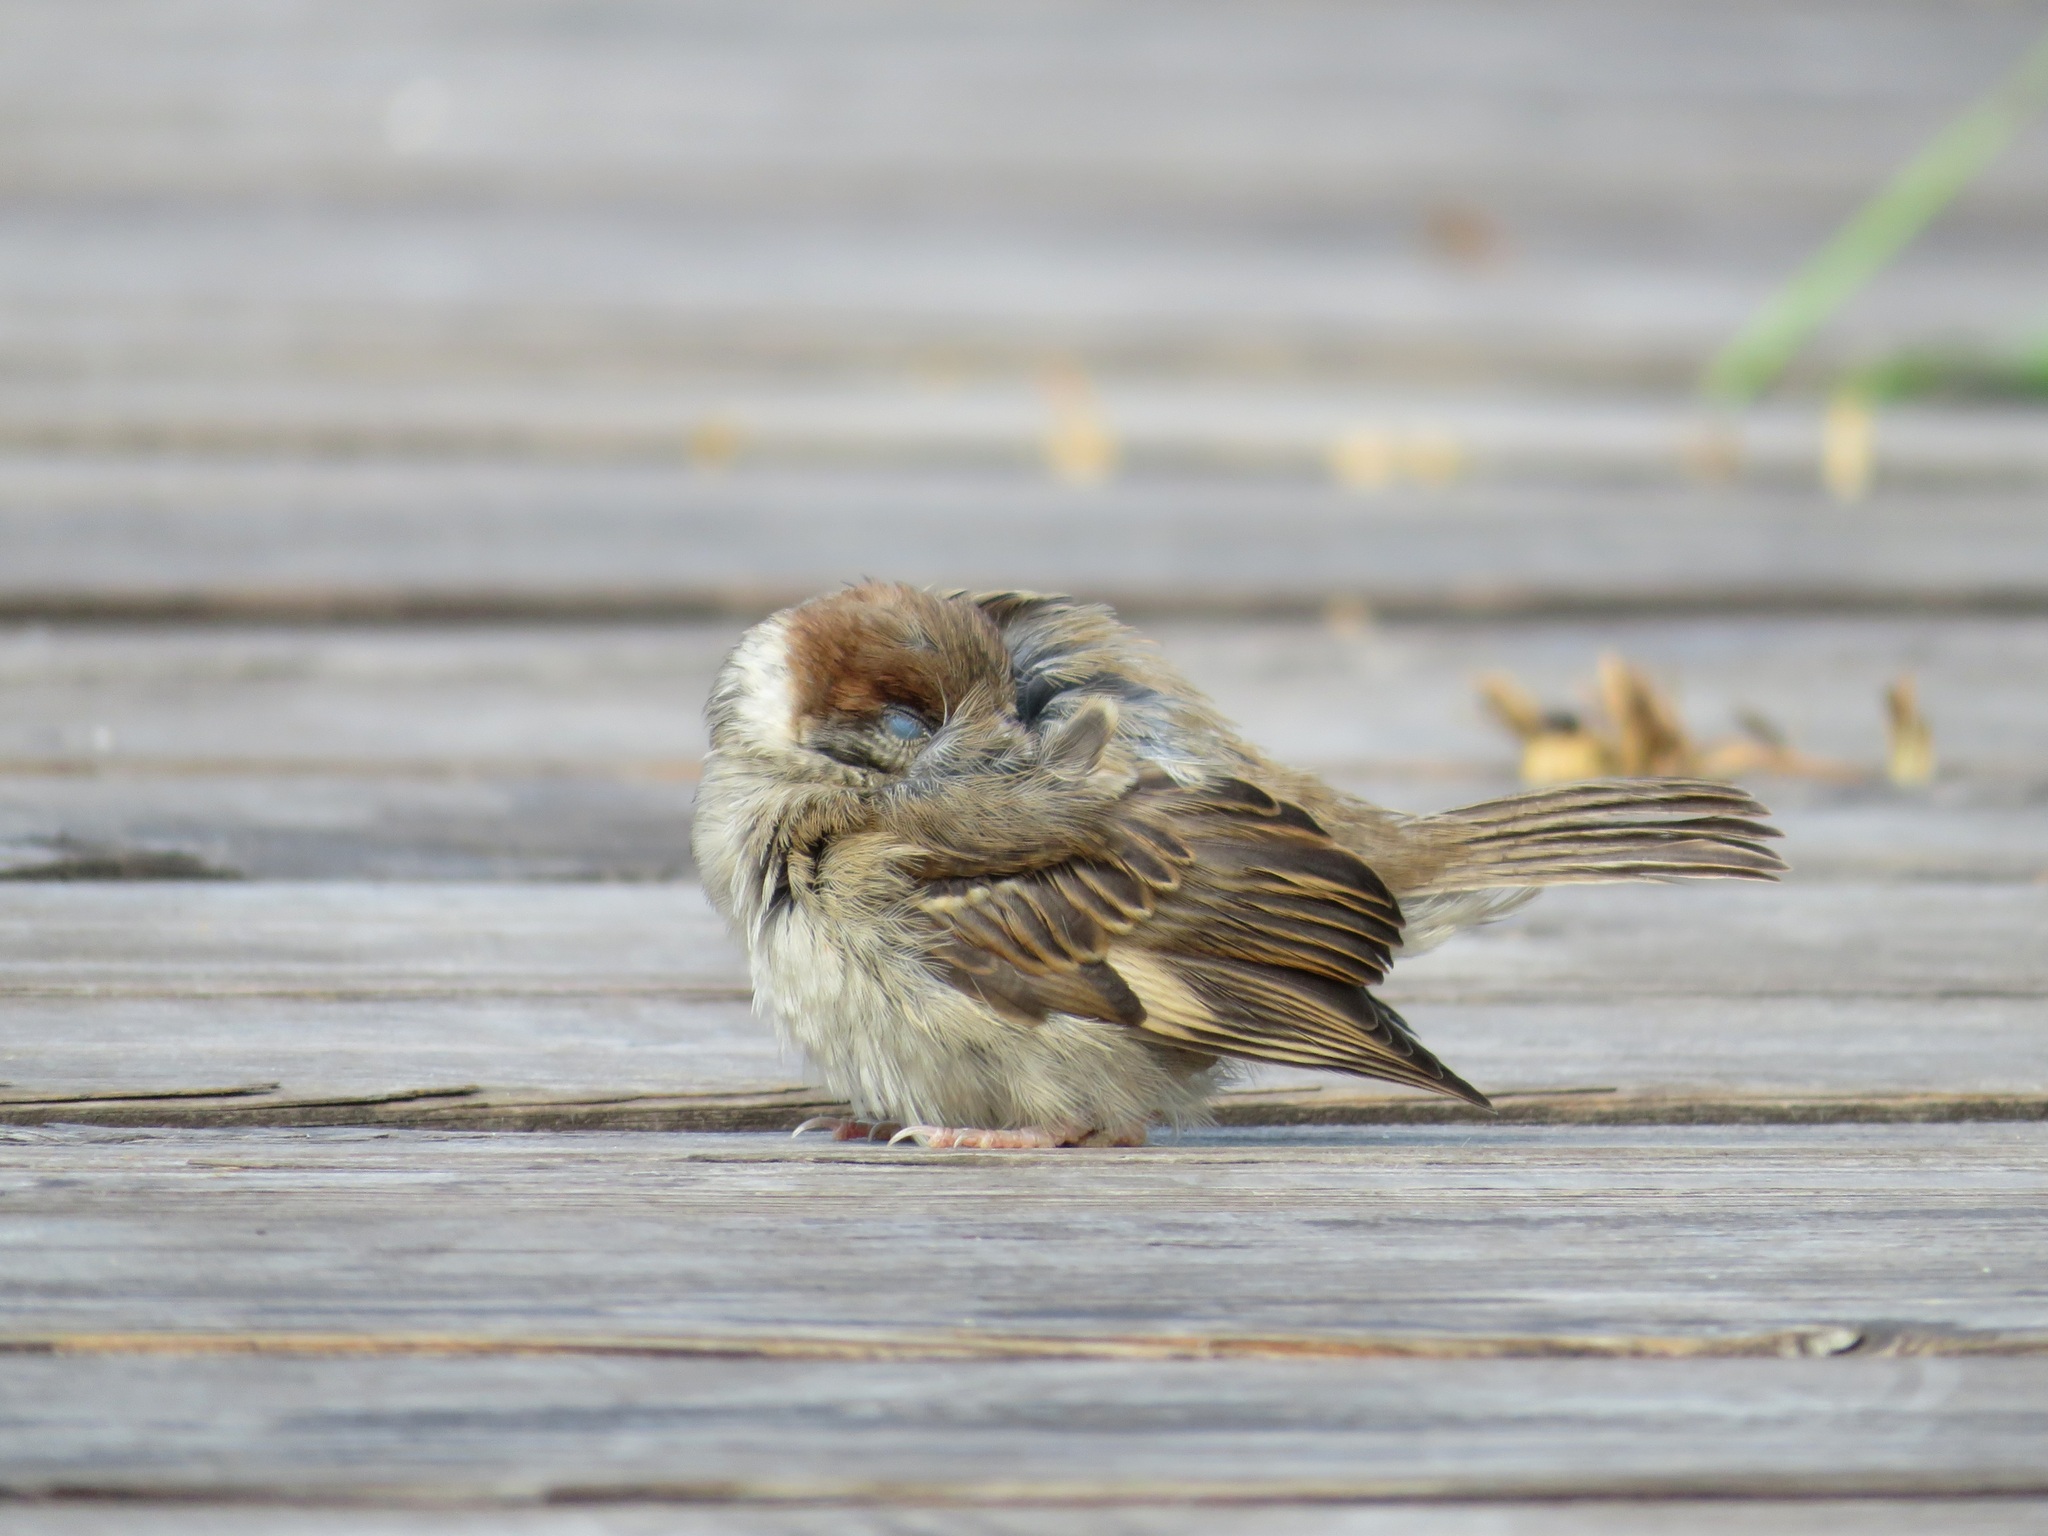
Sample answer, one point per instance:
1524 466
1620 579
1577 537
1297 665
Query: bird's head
873 687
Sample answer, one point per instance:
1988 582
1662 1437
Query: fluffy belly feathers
901 1045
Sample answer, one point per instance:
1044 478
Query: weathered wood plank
1054 1432
1285 430
1847 940
339 941
1933 941
454 822
622 699
431 752
1698 1235
484 821
1070 178
434 699
286 538
649 1061
600 991
1677 1517
617 1041
1266 1103
1063 101
1394 1233
1680 1234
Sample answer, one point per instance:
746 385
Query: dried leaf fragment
1909 739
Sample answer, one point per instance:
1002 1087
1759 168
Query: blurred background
403 405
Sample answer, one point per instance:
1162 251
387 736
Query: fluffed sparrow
1007 879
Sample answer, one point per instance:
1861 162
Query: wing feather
1118 888
1070 886
1213 917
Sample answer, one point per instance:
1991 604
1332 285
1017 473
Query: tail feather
1616 829
1608 794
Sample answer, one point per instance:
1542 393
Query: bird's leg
1023 1138
843 1129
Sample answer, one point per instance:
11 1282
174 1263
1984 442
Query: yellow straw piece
1362 460
1909 739
1079 447
1080 451
1848 448
1432 458
715 442
1565 757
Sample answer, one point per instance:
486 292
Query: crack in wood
1737 1488
782 1108
429 603
372 992
1816 1341
458 770
142 1095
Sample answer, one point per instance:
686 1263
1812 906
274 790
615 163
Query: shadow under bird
1008 880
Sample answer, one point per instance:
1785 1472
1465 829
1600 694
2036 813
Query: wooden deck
402 408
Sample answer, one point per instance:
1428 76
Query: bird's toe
1019 1139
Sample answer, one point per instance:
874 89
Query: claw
921 1134
842 1129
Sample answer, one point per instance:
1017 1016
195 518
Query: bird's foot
1024 1138
843 1129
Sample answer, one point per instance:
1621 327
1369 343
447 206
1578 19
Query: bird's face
872 688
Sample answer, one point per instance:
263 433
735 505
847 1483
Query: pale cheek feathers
764 706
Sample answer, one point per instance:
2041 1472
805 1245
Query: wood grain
626 701
664 1061
457 822
1454 1232
1849 940
1680 1517
1325 92
568 752
1307 182
295 540
1284 430
485 821
1431 1238
1790 1003
1050 1434
467 1107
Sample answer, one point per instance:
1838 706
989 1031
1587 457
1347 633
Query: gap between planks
83 1513
1816 1341
433 603
1749 1488
470 1108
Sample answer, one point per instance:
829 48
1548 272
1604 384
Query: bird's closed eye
884 741
900 724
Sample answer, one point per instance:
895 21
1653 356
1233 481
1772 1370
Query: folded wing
1214 918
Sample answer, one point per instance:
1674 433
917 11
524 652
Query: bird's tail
1490 858
1604 829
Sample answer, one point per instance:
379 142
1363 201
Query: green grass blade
1882 228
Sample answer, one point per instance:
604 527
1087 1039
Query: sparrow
1006 879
